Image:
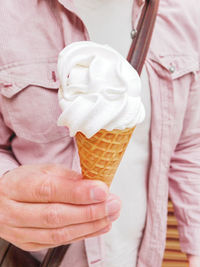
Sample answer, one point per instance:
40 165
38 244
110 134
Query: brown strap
143 34
11 256
54 256
4 247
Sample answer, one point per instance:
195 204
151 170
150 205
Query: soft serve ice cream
99 90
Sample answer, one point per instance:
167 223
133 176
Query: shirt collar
68 4
136 11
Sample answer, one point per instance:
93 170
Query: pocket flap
16 78
177 65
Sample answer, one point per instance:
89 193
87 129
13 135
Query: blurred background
173 256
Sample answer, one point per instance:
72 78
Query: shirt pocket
173 66
29 101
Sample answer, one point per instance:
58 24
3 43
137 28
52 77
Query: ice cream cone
99 94
101 154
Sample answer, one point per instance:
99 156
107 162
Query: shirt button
172 69
133 33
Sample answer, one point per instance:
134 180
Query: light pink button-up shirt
32 34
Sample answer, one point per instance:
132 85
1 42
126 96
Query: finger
37 247
57 236
59 215
44 185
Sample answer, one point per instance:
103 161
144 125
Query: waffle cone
101 154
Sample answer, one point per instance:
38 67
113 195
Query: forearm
184 175
185 195
184 190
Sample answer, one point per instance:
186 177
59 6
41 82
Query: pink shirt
32 34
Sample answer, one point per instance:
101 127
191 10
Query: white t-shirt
109 22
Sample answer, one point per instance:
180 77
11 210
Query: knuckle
48 168
52 216
97 225
90 213
44 190
77 193
59 236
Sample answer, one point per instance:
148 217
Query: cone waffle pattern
101 154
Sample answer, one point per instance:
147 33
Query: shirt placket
136 11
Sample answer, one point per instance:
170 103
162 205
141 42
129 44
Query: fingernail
98 194
112 206
113 217
106 229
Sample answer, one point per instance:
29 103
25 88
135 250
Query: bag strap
54 256
142 35
136 56
11 256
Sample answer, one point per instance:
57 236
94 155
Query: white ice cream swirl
99 89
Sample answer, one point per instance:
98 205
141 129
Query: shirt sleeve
184 175
7 159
